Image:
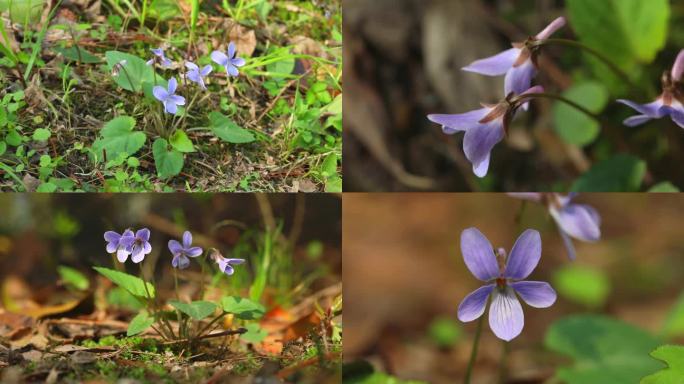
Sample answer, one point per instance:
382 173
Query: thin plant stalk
503 367
473 352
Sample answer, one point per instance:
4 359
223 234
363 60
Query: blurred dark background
402 62
405 277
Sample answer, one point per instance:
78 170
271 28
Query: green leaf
41 134
73 277
139 324
117 136
621 173
664 187
333 184
22 11
629 32
227 130
674 322
604 350
673 356
169 162
255 334
46 188
573 126
132 284
198 310
72 53
180 141
329 166
242 308
134 73
583 285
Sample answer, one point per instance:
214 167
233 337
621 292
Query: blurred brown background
403 268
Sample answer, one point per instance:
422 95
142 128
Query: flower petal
536 294
478 255
518 79
122 255
473 305
678 118
193 251
569 246
678 67
228 270
495 65
231 50
479 142
653 110
175 247
112 247
551 28
137 254
157 51
176 99
160 93
147 248
238 62
459 122
506 317
112 237
170 107
192 66
173 84
236 261
579 221
232 70
637 120
143 234
206 70
524 256
180 262
187 239
194 76
219 58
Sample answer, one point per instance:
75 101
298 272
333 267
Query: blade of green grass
36 46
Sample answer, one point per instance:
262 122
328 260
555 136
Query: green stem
560 98
152 304
503 371
600 56
473 353
130 82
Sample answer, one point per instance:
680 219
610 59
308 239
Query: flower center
500 282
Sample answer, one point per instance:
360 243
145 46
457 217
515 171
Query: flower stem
503 371
600 56
473 353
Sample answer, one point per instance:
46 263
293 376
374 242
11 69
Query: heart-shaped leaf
673 356
255 334
242 308
227 130
117 136
132 284
134 71
169 161
198 310
180 141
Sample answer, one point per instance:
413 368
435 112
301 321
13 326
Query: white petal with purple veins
506 317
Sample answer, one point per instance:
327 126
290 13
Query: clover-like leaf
255 334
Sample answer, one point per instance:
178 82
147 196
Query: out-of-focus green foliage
604 350
583 285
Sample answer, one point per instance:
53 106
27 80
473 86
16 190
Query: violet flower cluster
137 245
486 127
577 221
669 103
505 281
167 96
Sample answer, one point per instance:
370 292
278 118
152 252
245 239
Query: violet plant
196 319
171 103
486 127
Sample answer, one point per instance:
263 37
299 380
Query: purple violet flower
230 62
579 221
669 103
168 97
484 128
159 58
182 252
506 317
119 244
196 75
140 245
519 63
224 263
